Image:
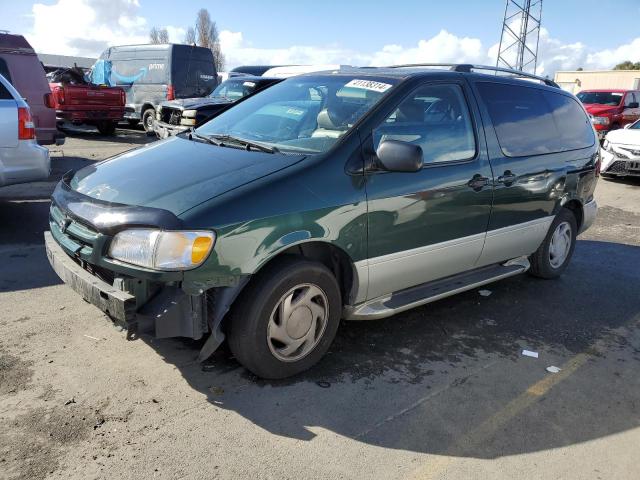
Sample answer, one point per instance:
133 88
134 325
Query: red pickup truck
611 109
80 102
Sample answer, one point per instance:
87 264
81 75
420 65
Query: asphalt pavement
439 392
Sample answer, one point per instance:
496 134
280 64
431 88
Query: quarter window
4 70
531 121
436 118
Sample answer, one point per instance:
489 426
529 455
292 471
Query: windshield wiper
205 139
222 138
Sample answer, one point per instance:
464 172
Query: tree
158 35
190 37
628 65
207 36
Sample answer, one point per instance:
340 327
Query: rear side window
4 93
4 70
531 121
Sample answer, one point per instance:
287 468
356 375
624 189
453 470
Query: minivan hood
187 103
597 109
176 174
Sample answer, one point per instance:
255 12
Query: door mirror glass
396 156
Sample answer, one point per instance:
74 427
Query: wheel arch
575 206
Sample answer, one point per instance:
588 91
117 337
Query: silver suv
21 158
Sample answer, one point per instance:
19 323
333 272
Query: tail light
59 91
171 93
123 97
48 100
26 128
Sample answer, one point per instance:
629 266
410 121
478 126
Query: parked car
255 70
178 116
292 70
621 152
611 109
20 66
355 194
21 158
151 74
78 101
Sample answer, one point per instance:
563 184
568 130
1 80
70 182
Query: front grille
617 167
171 116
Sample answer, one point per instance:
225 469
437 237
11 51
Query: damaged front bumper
162 304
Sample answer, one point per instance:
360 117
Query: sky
592 34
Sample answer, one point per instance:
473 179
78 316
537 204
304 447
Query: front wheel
285 320
147 120
553 256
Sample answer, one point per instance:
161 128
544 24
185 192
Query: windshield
611 99
305 114
233 89
635 126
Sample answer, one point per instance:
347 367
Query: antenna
520 35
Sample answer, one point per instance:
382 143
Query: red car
611 109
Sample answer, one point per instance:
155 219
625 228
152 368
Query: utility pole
520 35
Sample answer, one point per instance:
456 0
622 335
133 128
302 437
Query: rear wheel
107 128
553 256
286 319
147 119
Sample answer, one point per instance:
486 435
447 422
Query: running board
397 302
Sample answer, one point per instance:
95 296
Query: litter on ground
553 369
529 353
484 293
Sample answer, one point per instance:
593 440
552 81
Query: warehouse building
576 81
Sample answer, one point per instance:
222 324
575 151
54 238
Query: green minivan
352 194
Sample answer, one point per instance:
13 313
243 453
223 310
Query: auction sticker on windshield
369 85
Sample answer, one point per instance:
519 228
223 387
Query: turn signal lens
200 249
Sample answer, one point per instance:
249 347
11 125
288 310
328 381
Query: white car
621 152
21 158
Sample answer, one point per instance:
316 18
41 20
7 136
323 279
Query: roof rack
468 68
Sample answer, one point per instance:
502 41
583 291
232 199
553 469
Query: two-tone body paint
262 209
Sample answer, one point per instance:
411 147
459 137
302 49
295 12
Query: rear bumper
165 130
589 212
27 162
89 116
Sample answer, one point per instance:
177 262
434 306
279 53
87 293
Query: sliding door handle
478 182
507 178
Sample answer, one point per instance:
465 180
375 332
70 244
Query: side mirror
633 105
397 156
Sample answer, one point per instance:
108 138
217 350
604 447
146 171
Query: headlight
189 113
600 120
189 122
162 250
606 144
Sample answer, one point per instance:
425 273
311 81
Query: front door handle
478 182
507 178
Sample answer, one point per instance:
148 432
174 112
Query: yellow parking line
489 427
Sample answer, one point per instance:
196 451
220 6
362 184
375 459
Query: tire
255 326
147 120
549 262
106 128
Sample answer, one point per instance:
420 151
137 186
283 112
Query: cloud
444 47
87 27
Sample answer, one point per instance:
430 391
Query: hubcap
560 244
297 323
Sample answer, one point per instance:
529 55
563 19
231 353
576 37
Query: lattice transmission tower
520 35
